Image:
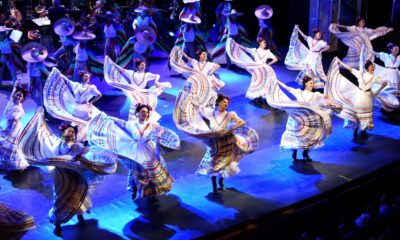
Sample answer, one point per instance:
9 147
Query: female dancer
307 124
9 137
289 140
77 169
140 78
390 72
205 67
137 142
259 56
225 135
361 102
308 60
135 84
71 101
216 162
358 35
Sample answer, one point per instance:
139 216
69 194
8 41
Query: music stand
45 21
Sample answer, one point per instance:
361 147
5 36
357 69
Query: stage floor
268 180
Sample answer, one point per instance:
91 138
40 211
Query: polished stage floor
268 180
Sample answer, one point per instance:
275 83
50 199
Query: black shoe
364 134
306 157
294 156
152 200
134 193
57 230
355 133
214 184
221 183
81 220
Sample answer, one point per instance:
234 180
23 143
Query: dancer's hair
65 125
21 90
140 106
367 64
138 61
316 30
390 46
82 73
306 79
358 20
220 98
200 51
260 39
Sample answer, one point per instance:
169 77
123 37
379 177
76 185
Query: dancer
6 54
264 13
35 53
137 143
77 171
13 223
215 162
290 141
9 136
308 125
357 101
115 36
65 54
208 69
308 60
134 85
223 8
84 61
357 36
188 38
259 56
391 60
234 30
142 44
70 101
226 137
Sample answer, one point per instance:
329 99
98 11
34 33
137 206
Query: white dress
208 68
140 79
73 178
363 99
314 59
258 56
222 155
138 146
150 176
9 138
306 59
356 38
83 94
390 72
296 139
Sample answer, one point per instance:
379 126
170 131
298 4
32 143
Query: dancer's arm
300 32
284 86
383 85
239 122
345 65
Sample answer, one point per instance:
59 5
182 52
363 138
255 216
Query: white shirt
389 60
315 45
188 36
66 41
81 54
232 28
365 80
109 31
